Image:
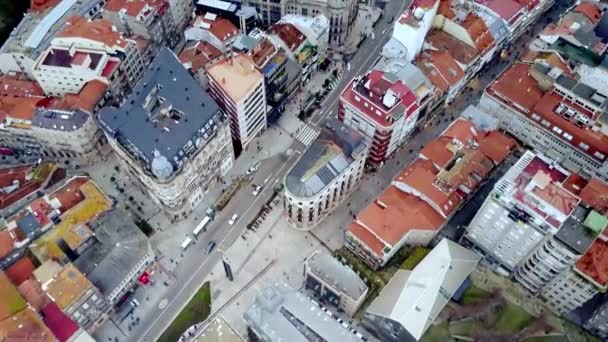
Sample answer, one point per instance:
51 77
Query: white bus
186 243
201 226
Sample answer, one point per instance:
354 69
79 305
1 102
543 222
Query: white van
186 243
201 225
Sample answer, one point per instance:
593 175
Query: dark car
210 247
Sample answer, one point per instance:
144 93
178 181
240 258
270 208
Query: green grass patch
557 338
437 333
465 327
512 319
414 258
197 310
474 295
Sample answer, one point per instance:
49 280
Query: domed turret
161 167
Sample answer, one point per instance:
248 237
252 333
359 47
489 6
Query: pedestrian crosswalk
307 135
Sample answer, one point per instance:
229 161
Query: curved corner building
326 174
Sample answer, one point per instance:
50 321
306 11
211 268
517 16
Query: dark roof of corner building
574 233
330 154
150 130
120 247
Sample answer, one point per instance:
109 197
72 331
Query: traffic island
197 310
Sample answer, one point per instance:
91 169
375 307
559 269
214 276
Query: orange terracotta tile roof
595 194
70 195
594 264
42 5
20 271
32 292
440 67
575 184
517 86
22 108
553 59
545 108
366 237
529 4
496 146
441 150
393 214
25 326
263 52
479 32
420 176
220 27
199 55
442 41
7 243
289 34
19 86
135 7
89 96
100 30
589 10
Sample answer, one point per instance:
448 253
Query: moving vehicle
134 302
201 226
186 243
233 219
257 190
252 169
210 247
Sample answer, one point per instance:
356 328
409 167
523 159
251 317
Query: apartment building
238 88
218 31
151 20
88 50
171 136
315 28
195 56
334 283
326 174
410 302
32 36
382 107
425 194
182 11
61 129
554 113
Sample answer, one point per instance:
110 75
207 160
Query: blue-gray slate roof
148 129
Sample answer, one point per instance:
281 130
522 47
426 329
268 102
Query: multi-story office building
425 194
88 50
33 35
280 313
328 172
171 136
412 300
238 87
150 19
383 109
334 283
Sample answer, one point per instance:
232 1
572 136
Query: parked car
257 190
233 219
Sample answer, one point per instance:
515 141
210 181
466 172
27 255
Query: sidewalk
362 27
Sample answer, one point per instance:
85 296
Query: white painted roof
415 299
45 25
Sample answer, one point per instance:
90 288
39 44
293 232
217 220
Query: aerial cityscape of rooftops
304 170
